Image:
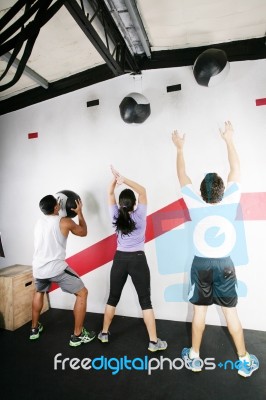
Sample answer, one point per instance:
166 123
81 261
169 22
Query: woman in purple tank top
129 221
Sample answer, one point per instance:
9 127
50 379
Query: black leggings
135 265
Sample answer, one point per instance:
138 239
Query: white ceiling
62 49
191 23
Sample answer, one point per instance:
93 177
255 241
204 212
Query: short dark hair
212 188
47 204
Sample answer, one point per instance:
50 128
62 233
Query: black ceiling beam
130 62
117 67
81 19
31 28
27 35
83 79
242 50
251 49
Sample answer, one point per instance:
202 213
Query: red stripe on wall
93 257
103 251
166 218
32 135
253 206
261 102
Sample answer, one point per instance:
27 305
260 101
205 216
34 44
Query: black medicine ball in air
67 201
211 67
134 108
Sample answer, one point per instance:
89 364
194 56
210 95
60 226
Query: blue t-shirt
136 239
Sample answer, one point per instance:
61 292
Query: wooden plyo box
16 294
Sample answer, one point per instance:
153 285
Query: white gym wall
76 145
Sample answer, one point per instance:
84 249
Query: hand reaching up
119 178
228 131
178 140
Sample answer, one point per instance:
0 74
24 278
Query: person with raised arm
129 221
212 276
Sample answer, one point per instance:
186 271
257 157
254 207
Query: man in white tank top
49 265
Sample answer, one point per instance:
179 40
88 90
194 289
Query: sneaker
160 345
194 364
247 368
104 337
84 337
35 332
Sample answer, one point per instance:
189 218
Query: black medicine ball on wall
134 108
67 201
211 67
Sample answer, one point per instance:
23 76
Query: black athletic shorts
213 281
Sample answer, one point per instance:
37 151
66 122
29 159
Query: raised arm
132 184
111 193
233 159
180 161
68 225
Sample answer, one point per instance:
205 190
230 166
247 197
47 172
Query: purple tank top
135 240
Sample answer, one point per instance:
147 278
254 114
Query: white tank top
49 248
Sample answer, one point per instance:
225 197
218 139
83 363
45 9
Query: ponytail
124 223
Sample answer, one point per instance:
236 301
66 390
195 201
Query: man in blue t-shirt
213 278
